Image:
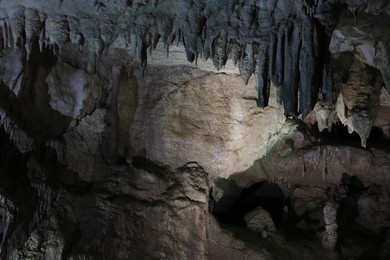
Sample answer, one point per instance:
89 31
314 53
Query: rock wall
103 157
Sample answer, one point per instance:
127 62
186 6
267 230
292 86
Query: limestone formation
358 102
329 238
114 146
260 221
279 42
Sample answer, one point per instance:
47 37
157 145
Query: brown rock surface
185 114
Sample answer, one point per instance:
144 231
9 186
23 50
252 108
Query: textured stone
358 102
260 220
107 149
190 120
321 164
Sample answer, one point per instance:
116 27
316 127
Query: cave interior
194 129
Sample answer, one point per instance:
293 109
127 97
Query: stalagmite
329 238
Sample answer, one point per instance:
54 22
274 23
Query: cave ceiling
280 43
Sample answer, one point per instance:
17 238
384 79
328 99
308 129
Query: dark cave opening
230 204
237 202
339 135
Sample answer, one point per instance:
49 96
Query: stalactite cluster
281 42
284 43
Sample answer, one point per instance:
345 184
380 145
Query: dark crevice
264 194
339 135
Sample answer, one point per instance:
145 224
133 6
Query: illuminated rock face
109 149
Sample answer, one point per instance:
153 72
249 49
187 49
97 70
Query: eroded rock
260 221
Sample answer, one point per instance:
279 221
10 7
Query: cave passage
232 210
231 205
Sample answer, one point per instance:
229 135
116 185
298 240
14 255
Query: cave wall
110 152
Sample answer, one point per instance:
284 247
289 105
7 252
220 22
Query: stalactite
164 26
94 43
309 68
141 54
16 15
42 37
278 60
291 71
206 46
107 32
296 34
32 28
236 51
262 75
220 51
246 64
57 31
327 80
4 30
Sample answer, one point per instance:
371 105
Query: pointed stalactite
94 43
32 28
199 48
42 37
246 64
206 47
236 51
17 22
262 74
57 32
308 66
220 51
289 88
248 14
4 31
141 55
164 27
75 35
192 28
327 80
278 59
190 54
107 32
1 43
